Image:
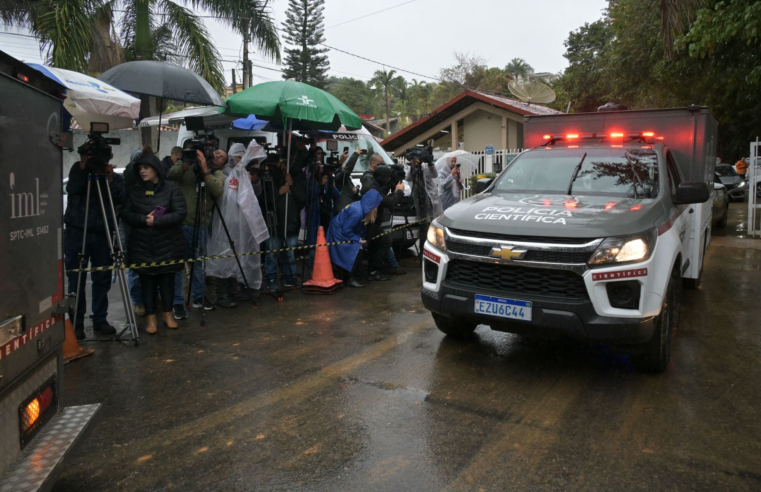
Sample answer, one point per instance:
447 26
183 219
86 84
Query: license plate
413 234
503 308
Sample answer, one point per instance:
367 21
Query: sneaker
354 284
103 328
139 309
378 276
292 284
273 285
397 271
226 302
179 311
206 304
79 331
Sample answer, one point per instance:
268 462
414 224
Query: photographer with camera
378 248
185 173
94 160
344 184
367 177
170 160
279 188
451 183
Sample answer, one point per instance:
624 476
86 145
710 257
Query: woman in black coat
155 208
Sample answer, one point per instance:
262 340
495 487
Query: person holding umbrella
451 183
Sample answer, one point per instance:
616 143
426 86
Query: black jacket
345 184
164 241
296 200
386 208
76 189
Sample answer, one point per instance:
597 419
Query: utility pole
246 67
235 88
250 73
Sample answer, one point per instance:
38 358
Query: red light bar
617 135
648 134
22 77
572 136
547 137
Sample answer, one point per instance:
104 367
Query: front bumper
551 318
737 193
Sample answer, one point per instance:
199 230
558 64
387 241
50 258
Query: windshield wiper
634 172
576 173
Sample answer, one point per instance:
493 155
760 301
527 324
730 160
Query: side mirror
482 184
693 192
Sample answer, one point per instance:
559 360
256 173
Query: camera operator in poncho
248 229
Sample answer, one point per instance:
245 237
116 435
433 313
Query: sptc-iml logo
24 204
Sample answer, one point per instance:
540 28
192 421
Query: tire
656 353
453 327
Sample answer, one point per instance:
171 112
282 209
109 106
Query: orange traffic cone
71 348
323 281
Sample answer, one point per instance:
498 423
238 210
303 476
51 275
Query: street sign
489 150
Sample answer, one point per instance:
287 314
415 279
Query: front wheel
453 327
656 353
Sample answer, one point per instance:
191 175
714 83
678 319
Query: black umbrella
163 81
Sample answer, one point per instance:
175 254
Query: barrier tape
253 253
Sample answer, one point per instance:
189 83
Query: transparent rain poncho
247 227
236 150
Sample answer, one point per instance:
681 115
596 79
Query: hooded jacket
164 241
348 226
390 201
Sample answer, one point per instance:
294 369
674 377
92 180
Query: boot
169 321
223 297
151 327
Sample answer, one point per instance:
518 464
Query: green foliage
623 58
304 30
352 92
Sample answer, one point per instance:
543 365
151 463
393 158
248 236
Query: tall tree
150 29
352 92
384 83
518 67
305 31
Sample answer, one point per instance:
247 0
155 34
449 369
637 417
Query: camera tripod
201 205
328 202
116 248
270 206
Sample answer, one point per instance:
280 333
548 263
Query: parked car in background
733 182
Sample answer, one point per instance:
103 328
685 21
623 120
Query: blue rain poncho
348 226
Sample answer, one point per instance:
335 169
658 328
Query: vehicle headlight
741 185
628 249
436 236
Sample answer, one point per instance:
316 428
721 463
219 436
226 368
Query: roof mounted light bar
617 136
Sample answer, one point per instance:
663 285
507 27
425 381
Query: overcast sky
419 35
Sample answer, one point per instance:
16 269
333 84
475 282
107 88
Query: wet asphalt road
359 391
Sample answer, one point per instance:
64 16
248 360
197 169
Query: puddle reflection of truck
36 431
591 234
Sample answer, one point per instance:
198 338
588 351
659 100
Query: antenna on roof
531 91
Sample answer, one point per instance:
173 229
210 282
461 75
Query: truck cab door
681 223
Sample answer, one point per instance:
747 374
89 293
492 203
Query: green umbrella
304 106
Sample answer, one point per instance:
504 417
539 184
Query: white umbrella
467 161
91 100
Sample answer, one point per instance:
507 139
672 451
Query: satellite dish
531 91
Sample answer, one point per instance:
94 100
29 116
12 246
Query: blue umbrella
250 123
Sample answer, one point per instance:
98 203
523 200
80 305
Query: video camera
419 155
204 140
97 148
398 174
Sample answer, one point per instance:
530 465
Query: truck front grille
531 255
524 239
517 280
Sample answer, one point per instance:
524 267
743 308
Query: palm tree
519 68
675 15
150 29
421 92
383 82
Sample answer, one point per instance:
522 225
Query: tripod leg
118 264
214 207
82 253
194 245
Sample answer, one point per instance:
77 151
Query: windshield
341 141
629 173
726 171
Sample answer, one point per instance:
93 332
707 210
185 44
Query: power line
371 14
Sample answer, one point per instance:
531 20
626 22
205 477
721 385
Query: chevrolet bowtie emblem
508 253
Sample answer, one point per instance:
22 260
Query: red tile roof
456 105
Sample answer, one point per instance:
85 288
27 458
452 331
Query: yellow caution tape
220 257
